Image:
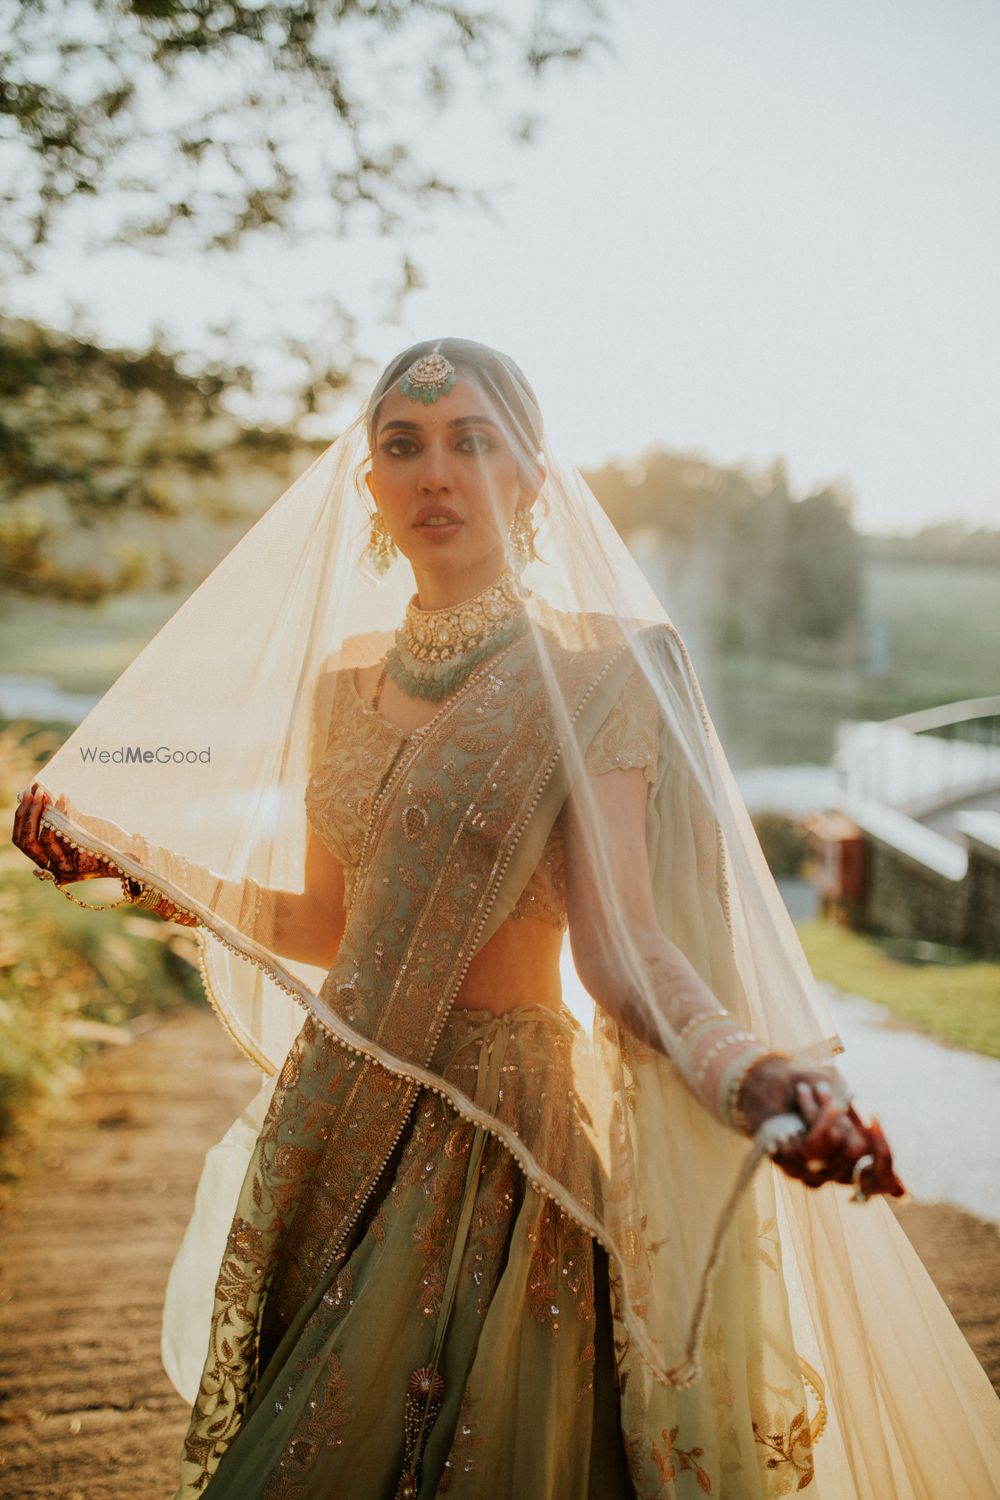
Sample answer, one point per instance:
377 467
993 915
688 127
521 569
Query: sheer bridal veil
190 774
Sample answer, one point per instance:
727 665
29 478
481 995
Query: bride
468 1240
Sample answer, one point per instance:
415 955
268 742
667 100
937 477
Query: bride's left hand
836 1137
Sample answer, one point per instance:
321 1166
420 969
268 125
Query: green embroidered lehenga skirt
457 1268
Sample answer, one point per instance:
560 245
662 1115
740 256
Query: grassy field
942 625
959 1003
81 648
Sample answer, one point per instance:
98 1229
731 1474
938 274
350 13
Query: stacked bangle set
715 1056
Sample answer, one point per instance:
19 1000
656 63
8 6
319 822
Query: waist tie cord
425 1387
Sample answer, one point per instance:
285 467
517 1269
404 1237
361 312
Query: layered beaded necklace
437 649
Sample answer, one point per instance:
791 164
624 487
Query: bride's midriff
518 966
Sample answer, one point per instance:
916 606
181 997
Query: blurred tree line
945 542
101 448
754 569
121 470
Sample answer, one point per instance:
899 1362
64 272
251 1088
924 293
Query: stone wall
983 918
907 899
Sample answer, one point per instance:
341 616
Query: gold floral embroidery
359 748
629 736
380 1224
350 1134
544 895
429 1169
358 751
671 1460
276 1241
465 1454
587 1358
500 1192
459 1139
327 1413
788 1448
767 1235
720 1382
562 1261
275 1181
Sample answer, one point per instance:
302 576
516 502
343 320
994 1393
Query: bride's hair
501 379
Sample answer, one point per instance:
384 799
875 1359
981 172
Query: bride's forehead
463 400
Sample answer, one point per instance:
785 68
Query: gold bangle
150 899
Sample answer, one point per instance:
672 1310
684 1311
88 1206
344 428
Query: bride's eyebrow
398 424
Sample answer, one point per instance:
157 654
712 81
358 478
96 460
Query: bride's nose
435 473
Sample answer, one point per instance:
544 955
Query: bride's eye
391 446
479 442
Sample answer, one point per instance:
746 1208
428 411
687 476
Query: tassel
424 1395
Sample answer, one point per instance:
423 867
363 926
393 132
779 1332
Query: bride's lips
437 521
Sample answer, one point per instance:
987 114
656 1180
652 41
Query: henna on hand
44 846
836 1138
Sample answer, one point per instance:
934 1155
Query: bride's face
445 479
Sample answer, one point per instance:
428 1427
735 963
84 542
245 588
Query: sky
754 230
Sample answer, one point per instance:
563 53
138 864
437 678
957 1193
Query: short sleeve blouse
629 736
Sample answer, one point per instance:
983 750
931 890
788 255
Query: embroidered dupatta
453 835
227 686
454 827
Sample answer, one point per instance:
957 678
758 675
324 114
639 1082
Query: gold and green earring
521 539
380 554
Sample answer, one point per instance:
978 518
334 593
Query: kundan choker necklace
437 649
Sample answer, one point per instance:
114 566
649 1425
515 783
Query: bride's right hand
46 847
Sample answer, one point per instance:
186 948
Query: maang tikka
428 377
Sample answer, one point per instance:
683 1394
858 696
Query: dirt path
87 1413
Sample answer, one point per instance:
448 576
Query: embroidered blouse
361 746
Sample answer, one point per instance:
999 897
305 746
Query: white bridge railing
923 762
